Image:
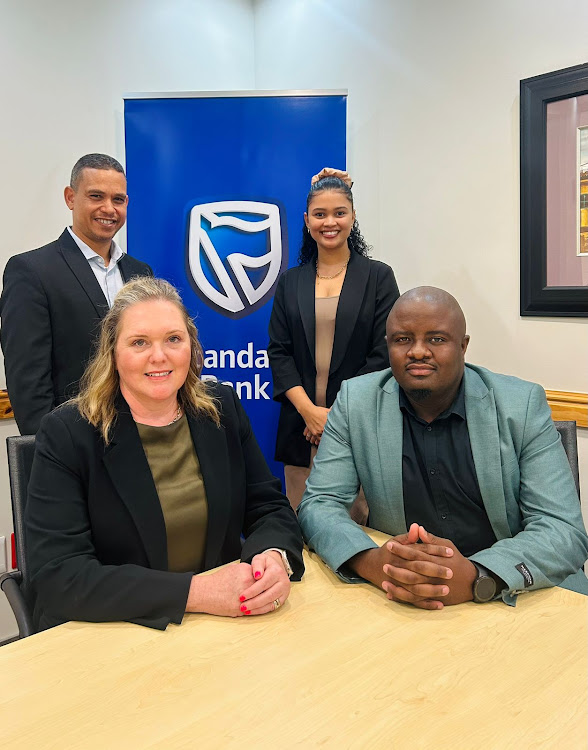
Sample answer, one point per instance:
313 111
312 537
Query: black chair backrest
21 450
569 440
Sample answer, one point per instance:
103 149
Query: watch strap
285 560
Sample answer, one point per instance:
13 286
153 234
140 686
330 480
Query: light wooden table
339 666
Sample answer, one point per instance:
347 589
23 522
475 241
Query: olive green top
176 472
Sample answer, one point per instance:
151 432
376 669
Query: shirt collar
115 252
457 407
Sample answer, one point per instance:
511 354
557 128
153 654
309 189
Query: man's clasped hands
418 568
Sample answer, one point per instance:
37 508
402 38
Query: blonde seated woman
150 477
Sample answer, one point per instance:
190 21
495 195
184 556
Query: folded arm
330 492
552 543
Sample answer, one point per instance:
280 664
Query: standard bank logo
235 254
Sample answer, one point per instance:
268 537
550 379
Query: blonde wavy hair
99 385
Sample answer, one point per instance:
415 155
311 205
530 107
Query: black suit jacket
51 309
95 532
367 296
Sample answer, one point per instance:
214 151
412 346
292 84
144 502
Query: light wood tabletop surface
338 666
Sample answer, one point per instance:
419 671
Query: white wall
64 67
434 148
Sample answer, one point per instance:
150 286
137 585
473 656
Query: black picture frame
537 299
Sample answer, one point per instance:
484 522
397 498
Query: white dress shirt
108 276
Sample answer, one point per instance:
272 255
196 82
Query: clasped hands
315 419
241 588
428 575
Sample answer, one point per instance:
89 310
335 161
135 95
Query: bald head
426 333
430 297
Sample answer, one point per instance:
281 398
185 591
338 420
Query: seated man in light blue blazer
462 466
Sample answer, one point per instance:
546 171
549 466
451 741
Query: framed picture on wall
554 193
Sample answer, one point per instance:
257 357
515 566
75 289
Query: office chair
14 584
569 440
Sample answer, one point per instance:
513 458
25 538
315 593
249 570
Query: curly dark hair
356 242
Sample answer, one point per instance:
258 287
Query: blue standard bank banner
217 187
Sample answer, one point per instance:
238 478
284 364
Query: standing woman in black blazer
328 324
151 477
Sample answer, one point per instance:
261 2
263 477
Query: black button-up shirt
439 481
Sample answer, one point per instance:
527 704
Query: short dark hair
93 161
356 242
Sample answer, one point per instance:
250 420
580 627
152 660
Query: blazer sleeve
386 295
280 349
269 519
552 543
330 491
27 345
68 579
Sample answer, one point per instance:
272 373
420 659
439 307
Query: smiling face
427 345
329 219
98 205
152 354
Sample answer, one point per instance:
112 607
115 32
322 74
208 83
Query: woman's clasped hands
241 588
315 419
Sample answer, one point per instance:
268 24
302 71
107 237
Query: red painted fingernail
248 612
241 598
243 608
257 574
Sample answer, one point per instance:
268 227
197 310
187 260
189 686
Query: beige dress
296 476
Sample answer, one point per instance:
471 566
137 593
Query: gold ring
276 604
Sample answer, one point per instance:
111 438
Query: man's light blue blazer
523 472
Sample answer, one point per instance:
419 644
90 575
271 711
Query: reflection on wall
566 150
583 245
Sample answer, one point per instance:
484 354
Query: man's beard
419 394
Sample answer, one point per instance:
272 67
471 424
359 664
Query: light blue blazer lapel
485 442
388 513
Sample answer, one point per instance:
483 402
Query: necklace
334 276
178 415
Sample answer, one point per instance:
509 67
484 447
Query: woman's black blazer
367 295
96 538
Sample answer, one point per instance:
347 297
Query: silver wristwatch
285 560
484 587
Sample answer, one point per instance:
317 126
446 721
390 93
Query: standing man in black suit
55 297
